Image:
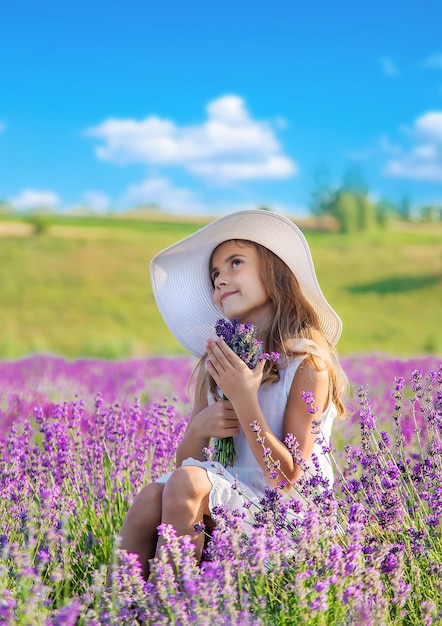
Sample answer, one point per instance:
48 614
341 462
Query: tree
404 208
349 204
431 213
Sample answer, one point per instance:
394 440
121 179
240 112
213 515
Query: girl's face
238 288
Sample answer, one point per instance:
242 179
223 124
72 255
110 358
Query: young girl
254 266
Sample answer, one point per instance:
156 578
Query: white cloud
229 109
425 152
229 139
422 160
433 61
389 67
97 201
430 125
162 192
35 198
172 199
383 146
273 167
413 168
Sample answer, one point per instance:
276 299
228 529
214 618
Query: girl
255 266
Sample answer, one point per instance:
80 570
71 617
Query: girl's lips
227 295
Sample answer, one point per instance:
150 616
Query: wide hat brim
183 290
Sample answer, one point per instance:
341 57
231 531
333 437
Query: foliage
354 212
367 552
40 223
431 213
350 205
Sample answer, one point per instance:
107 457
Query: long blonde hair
292 328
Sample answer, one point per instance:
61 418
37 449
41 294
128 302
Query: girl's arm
216 420
297 419
240 385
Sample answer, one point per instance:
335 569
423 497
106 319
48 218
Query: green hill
81 286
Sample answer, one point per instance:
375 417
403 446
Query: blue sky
208 107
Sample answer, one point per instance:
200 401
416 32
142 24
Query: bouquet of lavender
241 338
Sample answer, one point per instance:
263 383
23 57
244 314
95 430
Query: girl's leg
185 502
139 531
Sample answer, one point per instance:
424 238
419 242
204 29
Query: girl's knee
150 494
186 483
146 504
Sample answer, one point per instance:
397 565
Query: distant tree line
348 206
353 210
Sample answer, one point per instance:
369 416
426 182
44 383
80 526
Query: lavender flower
367 552
241 338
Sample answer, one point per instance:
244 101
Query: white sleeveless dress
245 482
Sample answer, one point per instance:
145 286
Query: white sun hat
183 289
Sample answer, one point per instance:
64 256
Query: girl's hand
217 420
231 374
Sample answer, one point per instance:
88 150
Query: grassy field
81 287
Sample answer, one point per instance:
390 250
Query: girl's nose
220 281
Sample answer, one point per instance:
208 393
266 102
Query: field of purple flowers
79 439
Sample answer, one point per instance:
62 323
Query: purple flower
357 559
241 338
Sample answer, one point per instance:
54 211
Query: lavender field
80 438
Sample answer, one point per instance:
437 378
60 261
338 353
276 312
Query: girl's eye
214 276
236 262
